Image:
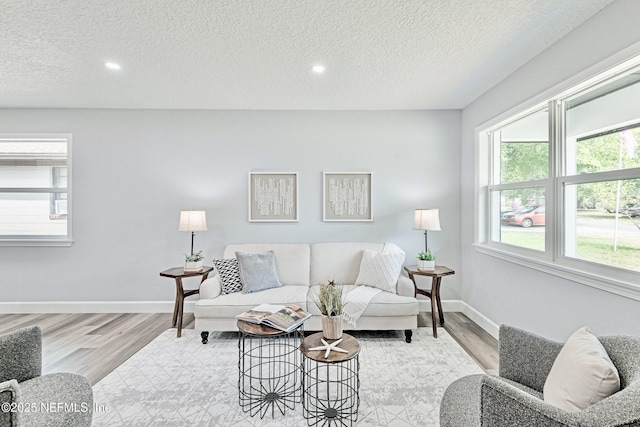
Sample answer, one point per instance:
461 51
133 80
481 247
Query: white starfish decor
329 347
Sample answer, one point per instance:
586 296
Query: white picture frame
347 196
273 196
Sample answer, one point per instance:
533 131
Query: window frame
605 277
41 240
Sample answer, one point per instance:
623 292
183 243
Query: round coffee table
268 368
330 386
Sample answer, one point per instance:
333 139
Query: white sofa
300 268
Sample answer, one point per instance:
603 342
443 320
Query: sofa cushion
582 374
228 306
380 270
384 304
229 273
292 259
339 262
257 271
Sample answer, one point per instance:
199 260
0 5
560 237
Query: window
520 172
560 184
35 189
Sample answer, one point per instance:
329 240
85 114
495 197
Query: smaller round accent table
331 386
268 368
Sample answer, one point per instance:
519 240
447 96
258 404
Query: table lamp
193 221
427 220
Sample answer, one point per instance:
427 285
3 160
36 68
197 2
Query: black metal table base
269 372
330 392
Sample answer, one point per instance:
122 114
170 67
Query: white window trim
614 280
38 240
577 274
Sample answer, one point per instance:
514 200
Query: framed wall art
347 196
273 196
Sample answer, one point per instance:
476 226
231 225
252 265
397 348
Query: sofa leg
407 335
205 337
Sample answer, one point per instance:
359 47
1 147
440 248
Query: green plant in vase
426 256
330 301
193 262
194 257
426 261
331 304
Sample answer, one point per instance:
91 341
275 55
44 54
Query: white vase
332 327
193 266
426 265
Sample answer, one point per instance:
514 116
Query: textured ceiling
241 54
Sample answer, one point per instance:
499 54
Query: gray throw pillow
257 271
229 275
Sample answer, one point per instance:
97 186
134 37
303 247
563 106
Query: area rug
181 382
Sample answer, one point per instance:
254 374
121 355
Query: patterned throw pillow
229 275
380 270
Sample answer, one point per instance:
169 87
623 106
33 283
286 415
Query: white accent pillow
582 374
380 270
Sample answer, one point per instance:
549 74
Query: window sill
35 242
628 289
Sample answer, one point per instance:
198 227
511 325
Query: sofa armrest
502 404
526 358
211 288
405 286
21 354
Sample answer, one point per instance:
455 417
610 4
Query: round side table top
255 329
348 343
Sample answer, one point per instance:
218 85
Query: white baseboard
167 307
92 307
481 320
462 307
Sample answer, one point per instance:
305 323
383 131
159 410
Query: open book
276 316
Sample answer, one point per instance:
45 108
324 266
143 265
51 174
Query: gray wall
134 170
508 293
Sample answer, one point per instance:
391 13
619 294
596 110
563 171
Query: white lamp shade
427 219
193 221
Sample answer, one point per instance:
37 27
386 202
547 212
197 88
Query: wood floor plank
11 322
477 342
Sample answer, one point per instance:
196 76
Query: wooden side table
436 277
178 274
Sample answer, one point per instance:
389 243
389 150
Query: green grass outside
595 249
523 239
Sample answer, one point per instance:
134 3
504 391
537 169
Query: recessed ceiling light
318 68
112 65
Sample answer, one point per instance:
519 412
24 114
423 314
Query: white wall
134 170
508 293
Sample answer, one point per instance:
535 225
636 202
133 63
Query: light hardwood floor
95 344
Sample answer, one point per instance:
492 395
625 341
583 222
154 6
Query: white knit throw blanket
358 298
356 302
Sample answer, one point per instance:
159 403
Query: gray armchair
29 399
514 398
